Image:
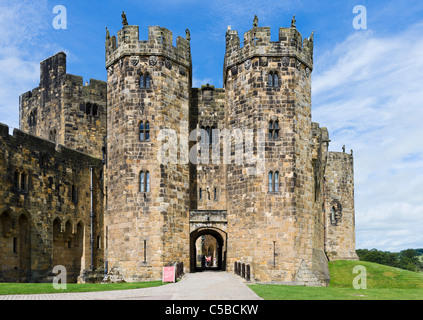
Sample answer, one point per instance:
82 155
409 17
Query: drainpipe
91 217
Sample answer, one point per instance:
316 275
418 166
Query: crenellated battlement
159 43
257 43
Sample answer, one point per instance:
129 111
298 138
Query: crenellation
159 44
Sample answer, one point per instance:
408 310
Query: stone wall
45 205
64 110
207 173
339 207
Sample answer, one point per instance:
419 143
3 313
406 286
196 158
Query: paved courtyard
206 285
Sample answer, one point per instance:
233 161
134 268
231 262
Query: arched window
270 129
52 135
275 130
270 81
270 181
147 182
276 180
333 216
273 181
144 181
16 180
142 81
24 182
273 79
147 80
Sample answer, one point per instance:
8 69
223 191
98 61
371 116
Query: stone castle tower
148 90
120 178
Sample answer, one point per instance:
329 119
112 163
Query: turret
148 89
257 43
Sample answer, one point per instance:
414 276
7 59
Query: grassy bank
32 288
383 283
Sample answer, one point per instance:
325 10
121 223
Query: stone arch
6 222
221 247
23 246
7 256
68 246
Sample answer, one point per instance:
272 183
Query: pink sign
168 274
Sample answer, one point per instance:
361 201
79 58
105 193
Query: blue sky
367 83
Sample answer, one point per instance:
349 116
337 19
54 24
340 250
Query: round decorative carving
285 61
152 60
307 72
168 64
247 64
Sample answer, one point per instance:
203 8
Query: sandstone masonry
248 167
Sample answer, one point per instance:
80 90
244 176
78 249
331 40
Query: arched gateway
208 240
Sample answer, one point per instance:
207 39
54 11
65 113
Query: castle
116 180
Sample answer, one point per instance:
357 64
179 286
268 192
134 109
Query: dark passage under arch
214 250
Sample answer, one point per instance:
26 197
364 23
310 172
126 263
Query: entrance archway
207 242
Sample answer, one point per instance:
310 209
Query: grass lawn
383 283
32 288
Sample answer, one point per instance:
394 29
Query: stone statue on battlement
293 22
255 22
124 20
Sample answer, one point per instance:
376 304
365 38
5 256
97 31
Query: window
16 180
208 135
43 162
276 188
33 117
52 135
273 129
273 181
24 182
215 193
88 108
200 194
273 79
144 131
145 80
144 181
74 194
20 181
91 109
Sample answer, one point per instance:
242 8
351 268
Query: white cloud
367 91
21 24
